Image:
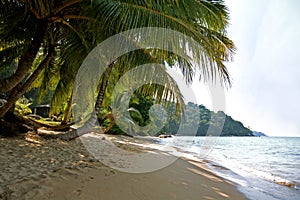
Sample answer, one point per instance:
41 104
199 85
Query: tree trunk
26 60
87 127
68 111
112 121
102 89
20 90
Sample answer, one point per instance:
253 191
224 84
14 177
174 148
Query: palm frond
77 26
204 21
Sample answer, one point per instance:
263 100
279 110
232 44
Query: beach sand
52 169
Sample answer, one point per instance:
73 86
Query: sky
265 94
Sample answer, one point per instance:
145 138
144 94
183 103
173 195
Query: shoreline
53 169
232 160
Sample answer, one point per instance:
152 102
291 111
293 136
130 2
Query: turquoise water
262 167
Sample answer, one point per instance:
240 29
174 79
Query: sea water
262 167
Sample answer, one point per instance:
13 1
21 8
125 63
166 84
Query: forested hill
207 119
198 120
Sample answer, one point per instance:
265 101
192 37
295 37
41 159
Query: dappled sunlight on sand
51 169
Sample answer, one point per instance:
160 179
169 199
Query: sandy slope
52 169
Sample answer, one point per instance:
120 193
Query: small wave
274 178
286 183
267 172
225 163
246 171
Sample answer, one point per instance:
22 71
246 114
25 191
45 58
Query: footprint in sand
110 173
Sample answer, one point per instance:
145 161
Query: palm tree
65 31
27 28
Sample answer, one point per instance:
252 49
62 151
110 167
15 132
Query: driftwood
13 125
61 127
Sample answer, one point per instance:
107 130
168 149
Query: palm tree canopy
75 27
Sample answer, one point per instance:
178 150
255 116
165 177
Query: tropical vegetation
206 119
44 42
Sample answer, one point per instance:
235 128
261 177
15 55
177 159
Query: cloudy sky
266 70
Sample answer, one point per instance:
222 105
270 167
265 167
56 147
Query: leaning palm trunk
25 62
112 121
68 111
101 92
94 117
19 90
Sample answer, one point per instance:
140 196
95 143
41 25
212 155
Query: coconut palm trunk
19 90
101 92
25 62
78 26
68 111
94 116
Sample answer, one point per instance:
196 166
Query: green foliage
34 96
7 71
22 107
76 27
141 104
139 112
231 127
